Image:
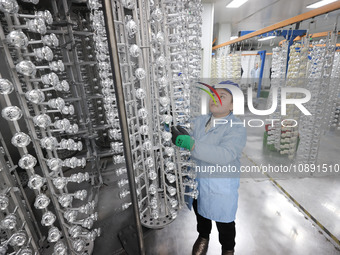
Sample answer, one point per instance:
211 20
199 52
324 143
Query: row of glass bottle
186 82
162 97
296 73
184 63
134 52
227 66
108 92
279 60
13 213
306 69
37 96
322 106
162 82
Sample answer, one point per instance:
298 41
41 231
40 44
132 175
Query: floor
295 215
267 223
277 214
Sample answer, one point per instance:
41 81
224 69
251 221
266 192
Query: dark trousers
226 231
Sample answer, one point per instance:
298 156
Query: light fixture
236 3
320 3
233 37
267 38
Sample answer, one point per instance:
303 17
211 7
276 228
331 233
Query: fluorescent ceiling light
320 3
236 3
267 38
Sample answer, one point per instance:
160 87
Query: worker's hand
181 138
176 131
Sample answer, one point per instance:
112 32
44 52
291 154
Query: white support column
206 40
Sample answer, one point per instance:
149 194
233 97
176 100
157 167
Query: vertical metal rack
89 91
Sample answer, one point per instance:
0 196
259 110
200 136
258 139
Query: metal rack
17 219
58 123
91 90
156 93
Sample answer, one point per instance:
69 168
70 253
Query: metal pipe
133 107
111 36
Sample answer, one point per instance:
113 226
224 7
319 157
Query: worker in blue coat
216 145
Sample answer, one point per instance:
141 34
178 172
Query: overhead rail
304 16
315 35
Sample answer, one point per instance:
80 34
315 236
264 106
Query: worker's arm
226 151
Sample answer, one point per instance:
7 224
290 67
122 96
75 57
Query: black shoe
200 246
227 252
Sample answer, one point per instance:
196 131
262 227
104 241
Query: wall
223 35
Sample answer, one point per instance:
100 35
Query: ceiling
257 14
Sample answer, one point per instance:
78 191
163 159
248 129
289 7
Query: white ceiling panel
256 14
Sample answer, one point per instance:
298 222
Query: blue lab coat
221 146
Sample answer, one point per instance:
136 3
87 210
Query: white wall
223 35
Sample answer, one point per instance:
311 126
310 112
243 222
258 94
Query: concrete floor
267 223
267 220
